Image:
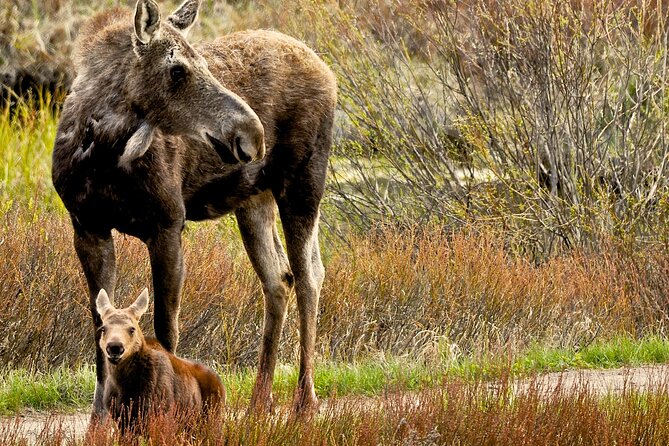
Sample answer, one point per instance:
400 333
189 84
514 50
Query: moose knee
276 299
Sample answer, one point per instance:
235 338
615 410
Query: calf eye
177 73
131 331
102 330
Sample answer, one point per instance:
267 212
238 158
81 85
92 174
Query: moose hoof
305 404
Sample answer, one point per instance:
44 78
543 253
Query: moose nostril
115 349
243 156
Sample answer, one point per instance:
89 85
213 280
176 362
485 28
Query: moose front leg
96 254
168 270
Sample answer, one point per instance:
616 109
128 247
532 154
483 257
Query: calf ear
147 20
184 17
102 303
139 307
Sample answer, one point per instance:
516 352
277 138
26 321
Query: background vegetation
544 119
498 187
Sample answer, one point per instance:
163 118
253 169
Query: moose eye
177 73
131 331
102 330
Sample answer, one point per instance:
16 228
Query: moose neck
135 370
109 108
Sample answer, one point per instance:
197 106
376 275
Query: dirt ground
30 424
644 378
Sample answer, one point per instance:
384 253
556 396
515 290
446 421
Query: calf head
171 86
120 335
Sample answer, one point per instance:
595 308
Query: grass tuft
62 389
27 133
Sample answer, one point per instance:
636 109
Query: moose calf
141 375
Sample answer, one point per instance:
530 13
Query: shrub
546 119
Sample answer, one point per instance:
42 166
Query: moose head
120 335
169 84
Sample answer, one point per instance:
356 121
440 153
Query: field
496 209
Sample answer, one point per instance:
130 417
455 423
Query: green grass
27 135
70 389
62 389
338 379
605 354
616 352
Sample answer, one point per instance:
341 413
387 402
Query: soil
609 381
31 424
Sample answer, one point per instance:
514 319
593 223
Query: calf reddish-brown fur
141 375
157 131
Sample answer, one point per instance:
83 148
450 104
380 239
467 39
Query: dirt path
30 425
645 378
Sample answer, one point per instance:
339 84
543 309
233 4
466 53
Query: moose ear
136 146
147 20
184 17
139 307
102 303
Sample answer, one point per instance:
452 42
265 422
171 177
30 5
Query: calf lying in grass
142 376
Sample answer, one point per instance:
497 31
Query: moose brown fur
156 131
141 375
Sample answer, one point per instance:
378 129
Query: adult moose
156 131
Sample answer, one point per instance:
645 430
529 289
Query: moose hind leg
257 225
98 260
302 244
299 198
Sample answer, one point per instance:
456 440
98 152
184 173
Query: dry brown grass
424 293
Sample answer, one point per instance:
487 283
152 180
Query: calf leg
257 224
167 269
96 254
